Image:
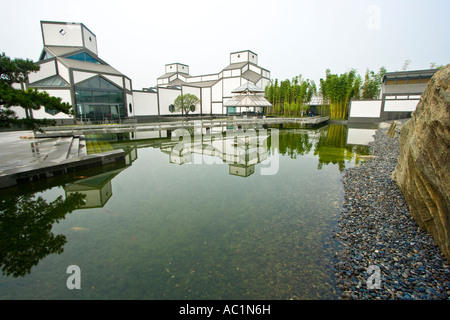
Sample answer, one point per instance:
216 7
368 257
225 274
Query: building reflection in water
98 189
242 149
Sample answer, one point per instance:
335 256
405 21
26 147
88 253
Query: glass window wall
83 56
98 99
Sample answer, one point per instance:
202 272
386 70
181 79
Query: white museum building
70 68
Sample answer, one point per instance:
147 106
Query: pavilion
247 98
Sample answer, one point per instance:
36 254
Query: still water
214 214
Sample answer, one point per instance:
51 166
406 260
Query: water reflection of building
240 149
98 188
360 135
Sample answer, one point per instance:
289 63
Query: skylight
83 56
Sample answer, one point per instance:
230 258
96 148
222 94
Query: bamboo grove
292 98
337 90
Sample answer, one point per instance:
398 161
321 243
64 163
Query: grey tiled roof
88 66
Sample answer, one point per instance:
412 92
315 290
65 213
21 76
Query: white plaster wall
191 90
235 73
262 83
128 84
172 78
226 73
90 40
255 69
239 57
400 105
177 67
171 68
183 68
210 77
217 108
65 96
47 69
229 85
182 78
52 36
217 91
115 79
20 112
252 57
63 71
365 109
79 76
166 98
145 103
206 101
194 79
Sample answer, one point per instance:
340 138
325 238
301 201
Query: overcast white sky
291 37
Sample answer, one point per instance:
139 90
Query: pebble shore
376 230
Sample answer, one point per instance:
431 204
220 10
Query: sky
291 37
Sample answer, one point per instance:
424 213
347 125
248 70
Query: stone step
74 147
59 150
82 150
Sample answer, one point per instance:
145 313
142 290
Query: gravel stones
376 230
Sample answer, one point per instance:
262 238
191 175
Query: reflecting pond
207 213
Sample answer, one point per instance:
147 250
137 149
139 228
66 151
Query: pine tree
15 72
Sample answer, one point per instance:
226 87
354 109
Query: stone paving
25 158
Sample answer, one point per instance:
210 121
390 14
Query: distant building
400 94
212 89
71 69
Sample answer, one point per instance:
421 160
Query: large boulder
423 169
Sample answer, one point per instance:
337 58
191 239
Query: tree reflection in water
332 148
25 230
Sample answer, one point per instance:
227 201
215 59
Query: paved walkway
24 158
18 149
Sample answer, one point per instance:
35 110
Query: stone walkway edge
39 171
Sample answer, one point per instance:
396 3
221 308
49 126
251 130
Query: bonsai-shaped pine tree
14 73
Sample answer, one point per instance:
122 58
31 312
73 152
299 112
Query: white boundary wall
365 109
145 103
400 105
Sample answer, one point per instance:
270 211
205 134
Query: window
413 81
98 83
98 99
83 56
51 112
55 81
